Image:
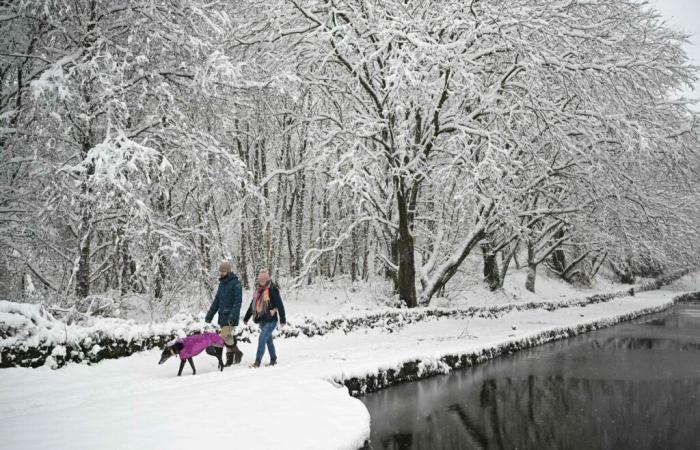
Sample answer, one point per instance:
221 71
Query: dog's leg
192 365
216 352
219 352
237 354
182 366
229 355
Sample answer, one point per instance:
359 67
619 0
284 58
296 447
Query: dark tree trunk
160 277
243 262
325 258
389 272
205 251
406 252
491 272
125 284
531 267
558 257
82 275
244 153
354 256
300 191
505 263
312 214
365 255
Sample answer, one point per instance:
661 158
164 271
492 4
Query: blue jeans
266 329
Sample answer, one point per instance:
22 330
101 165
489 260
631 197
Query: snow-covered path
134 403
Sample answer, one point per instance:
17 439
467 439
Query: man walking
227 303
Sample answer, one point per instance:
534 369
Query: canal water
632 386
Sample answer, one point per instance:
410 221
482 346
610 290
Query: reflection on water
633 386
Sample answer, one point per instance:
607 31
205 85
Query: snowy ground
134 403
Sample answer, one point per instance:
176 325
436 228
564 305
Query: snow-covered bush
31 337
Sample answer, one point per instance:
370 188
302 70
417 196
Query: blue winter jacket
227 301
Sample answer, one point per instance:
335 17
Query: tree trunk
312 213
205 251
559 257
406 249
531 267
300 191
325 214
365 255
446 271
82 274
505 263
491 272
354 256
242 261
160 277
389 272
125 284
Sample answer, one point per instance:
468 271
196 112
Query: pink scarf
261 300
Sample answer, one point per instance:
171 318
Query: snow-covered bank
29 338
134 403
433 365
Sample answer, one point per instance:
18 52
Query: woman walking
265 308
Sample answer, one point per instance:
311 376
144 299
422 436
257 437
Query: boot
237 355
273 362
229 358
255 365
230 351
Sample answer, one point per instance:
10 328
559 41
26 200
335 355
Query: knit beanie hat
263 277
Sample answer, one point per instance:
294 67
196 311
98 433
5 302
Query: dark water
632 386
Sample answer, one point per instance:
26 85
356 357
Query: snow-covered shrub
31 337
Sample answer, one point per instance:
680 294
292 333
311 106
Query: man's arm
248 313
237 300
212 309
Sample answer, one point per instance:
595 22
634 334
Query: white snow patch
134 403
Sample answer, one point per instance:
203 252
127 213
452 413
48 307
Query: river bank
635 385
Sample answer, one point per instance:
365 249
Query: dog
191 346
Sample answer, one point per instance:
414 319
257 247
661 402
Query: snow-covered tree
143 141
111 134
503 108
